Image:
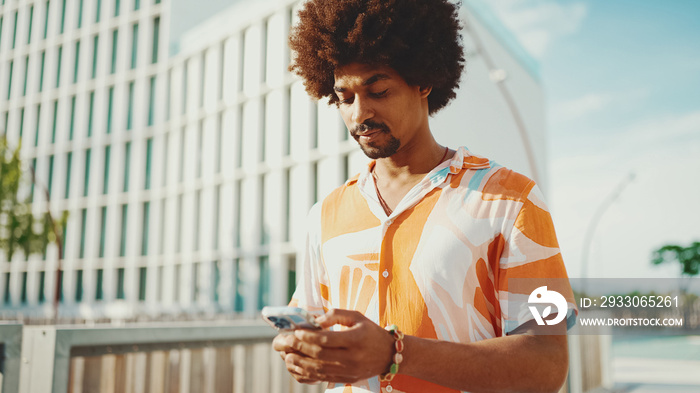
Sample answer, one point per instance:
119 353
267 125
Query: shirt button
385 274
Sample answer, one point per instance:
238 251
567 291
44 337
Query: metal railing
231 357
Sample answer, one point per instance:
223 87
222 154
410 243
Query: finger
328 339
314 369
282 341
340 317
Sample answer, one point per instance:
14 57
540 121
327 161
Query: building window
103 231
197 217
69 164
115 41
97 10
184 87
55 121
7 298
264 282
50 175
63 16
60 286
287 204
31 194
149 151
58 69
151 100
91 112
31 21
122 239
181 172
72 118
219 140
145 228
41 72
200 140
217 207
9 85
99 276
291 276
14 34
178 227
161 236
77 62
86 184
120 283
137 4
26 75
216 281
159 285
130 108
239 292
21 123
37 128
195 282
83 228
46 20
110 106
264 230
156 35
142 283
237 212
176 279
134 45
127 166
23 294
105 175
80 14
42 284
116 7
95 46
79 286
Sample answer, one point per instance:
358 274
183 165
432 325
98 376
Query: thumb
338 316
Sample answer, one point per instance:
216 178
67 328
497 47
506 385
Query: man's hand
361 351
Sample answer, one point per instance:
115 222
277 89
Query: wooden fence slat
92 371
223 371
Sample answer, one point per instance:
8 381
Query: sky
622 85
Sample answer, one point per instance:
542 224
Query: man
426 238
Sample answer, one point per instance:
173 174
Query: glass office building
188 164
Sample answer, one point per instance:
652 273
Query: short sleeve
531 260
312 285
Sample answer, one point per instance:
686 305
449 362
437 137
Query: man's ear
425 91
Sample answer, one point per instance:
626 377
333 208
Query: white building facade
188 177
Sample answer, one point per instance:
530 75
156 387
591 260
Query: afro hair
419 39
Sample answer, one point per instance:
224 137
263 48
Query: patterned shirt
440 264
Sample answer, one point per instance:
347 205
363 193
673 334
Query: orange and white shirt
439 265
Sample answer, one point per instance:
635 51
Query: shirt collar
462 159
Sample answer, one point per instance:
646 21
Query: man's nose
361 110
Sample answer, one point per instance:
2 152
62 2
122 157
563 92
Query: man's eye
379 94
346 101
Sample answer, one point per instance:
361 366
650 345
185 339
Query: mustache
369 125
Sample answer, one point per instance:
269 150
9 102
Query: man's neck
411 162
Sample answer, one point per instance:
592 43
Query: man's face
382 112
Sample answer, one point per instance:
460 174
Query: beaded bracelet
397 358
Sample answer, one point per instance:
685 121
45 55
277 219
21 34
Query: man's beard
371 150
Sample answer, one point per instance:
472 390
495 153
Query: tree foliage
19 228
687 257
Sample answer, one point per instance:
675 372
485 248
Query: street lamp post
588 239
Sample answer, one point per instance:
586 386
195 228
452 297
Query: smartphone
289 318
